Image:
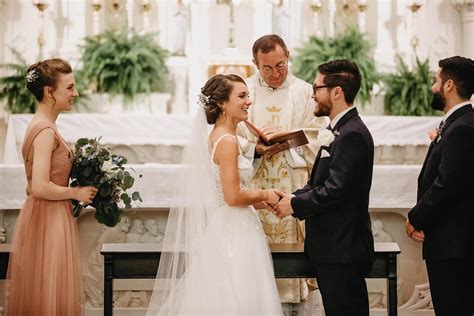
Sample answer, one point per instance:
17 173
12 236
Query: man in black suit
335 202
443 218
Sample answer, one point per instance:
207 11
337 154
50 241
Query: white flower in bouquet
107 166
325 137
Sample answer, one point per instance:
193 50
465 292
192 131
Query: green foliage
95 165
351 45
123 63
13 86
408 92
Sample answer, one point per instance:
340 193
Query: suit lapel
315 165
350 114
343 120
458 113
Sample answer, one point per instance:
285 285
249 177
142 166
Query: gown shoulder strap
32 133
217 143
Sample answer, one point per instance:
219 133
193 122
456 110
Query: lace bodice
244 165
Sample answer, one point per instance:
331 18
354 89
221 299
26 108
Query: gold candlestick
41 6
145 6
316 6
362 6
414 7
96 5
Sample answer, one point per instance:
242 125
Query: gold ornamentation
276 233
243 70
273 108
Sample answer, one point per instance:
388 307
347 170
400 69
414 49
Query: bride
215 259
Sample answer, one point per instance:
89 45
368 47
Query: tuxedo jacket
335 201
445 197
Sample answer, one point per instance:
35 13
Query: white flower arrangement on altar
325 137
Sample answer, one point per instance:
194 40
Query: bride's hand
272 196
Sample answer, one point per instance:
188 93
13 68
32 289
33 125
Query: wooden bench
140 261
4 257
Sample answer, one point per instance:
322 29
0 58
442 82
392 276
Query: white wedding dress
231 273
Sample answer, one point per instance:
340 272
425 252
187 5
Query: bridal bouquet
95 165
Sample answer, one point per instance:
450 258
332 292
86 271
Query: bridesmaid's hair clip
31 76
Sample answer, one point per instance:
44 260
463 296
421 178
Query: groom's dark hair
461 71
342 73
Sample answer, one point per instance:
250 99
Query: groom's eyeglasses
316 87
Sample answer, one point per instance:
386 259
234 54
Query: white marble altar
147 138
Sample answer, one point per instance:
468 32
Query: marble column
466 7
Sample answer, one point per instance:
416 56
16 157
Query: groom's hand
283 208
416 235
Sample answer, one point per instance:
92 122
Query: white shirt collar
288 81
338 117
454 108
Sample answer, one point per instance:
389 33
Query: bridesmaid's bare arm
226 156
41 184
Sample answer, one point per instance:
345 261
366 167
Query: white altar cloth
392 186
126 129
140 129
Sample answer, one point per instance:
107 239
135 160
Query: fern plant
13 86
408 92
350 44
123 63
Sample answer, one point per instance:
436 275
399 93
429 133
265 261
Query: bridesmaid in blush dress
44 276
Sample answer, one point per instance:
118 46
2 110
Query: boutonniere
326 137
437 133
433 134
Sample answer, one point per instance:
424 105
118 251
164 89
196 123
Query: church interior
147 116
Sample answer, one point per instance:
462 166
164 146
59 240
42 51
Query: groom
335 202
443 216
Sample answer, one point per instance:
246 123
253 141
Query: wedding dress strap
213 152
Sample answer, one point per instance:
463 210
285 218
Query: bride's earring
223 114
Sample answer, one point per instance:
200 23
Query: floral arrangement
325 137
95 165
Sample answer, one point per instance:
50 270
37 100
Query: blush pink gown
44 270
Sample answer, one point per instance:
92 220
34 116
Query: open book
293 138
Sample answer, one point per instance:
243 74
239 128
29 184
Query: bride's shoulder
223 144
221 137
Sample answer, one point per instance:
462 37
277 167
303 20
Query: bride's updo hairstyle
216 91
45 74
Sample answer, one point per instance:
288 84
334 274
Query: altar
146 138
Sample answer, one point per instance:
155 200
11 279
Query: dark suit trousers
343 288
452 286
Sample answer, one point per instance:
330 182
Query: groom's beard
438 102
324 108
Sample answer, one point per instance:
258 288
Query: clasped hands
280 205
